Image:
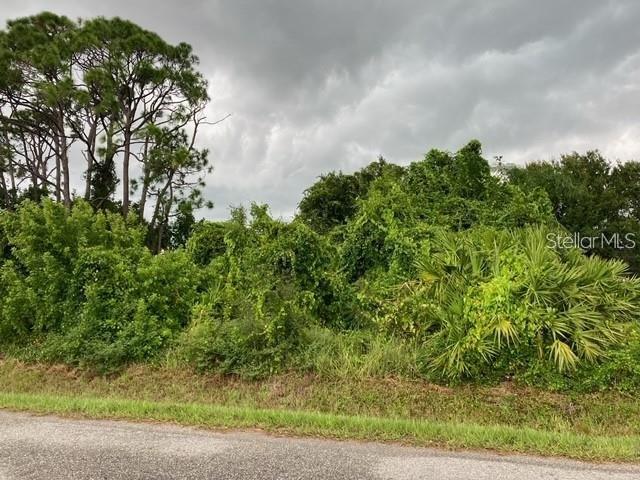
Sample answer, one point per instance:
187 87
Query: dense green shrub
266 285
382 234
248 333
129 312
88 286
46 243
457 191
333 199
486 300
620 371
207 242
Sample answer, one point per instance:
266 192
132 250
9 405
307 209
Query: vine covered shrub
248 333
88 289
207 242
46 244
380 236
263 289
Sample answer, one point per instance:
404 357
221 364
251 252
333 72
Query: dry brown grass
506 404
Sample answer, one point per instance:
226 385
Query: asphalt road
51 448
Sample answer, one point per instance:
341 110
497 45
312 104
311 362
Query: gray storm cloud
322 85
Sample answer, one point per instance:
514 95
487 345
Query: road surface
51 448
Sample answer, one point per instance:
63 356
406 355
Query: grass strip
416 432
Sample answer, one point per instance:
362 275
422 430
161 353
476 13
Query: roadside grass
509 419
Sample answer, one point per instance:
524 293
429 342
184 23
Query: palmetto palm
486 292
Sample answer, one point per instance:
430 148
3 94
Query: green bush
487 300
382 233
46 244
262 291
89 288
620 371
250 335
130 312
207 242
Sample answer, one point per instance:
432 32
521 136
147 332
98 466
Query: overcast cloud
314 86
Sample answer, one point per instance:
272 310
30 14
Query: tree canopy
112 93
591 197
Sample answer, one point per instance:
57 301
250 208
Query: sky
316 86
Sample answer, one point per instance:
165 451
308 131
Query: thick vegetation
445 269
440 270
